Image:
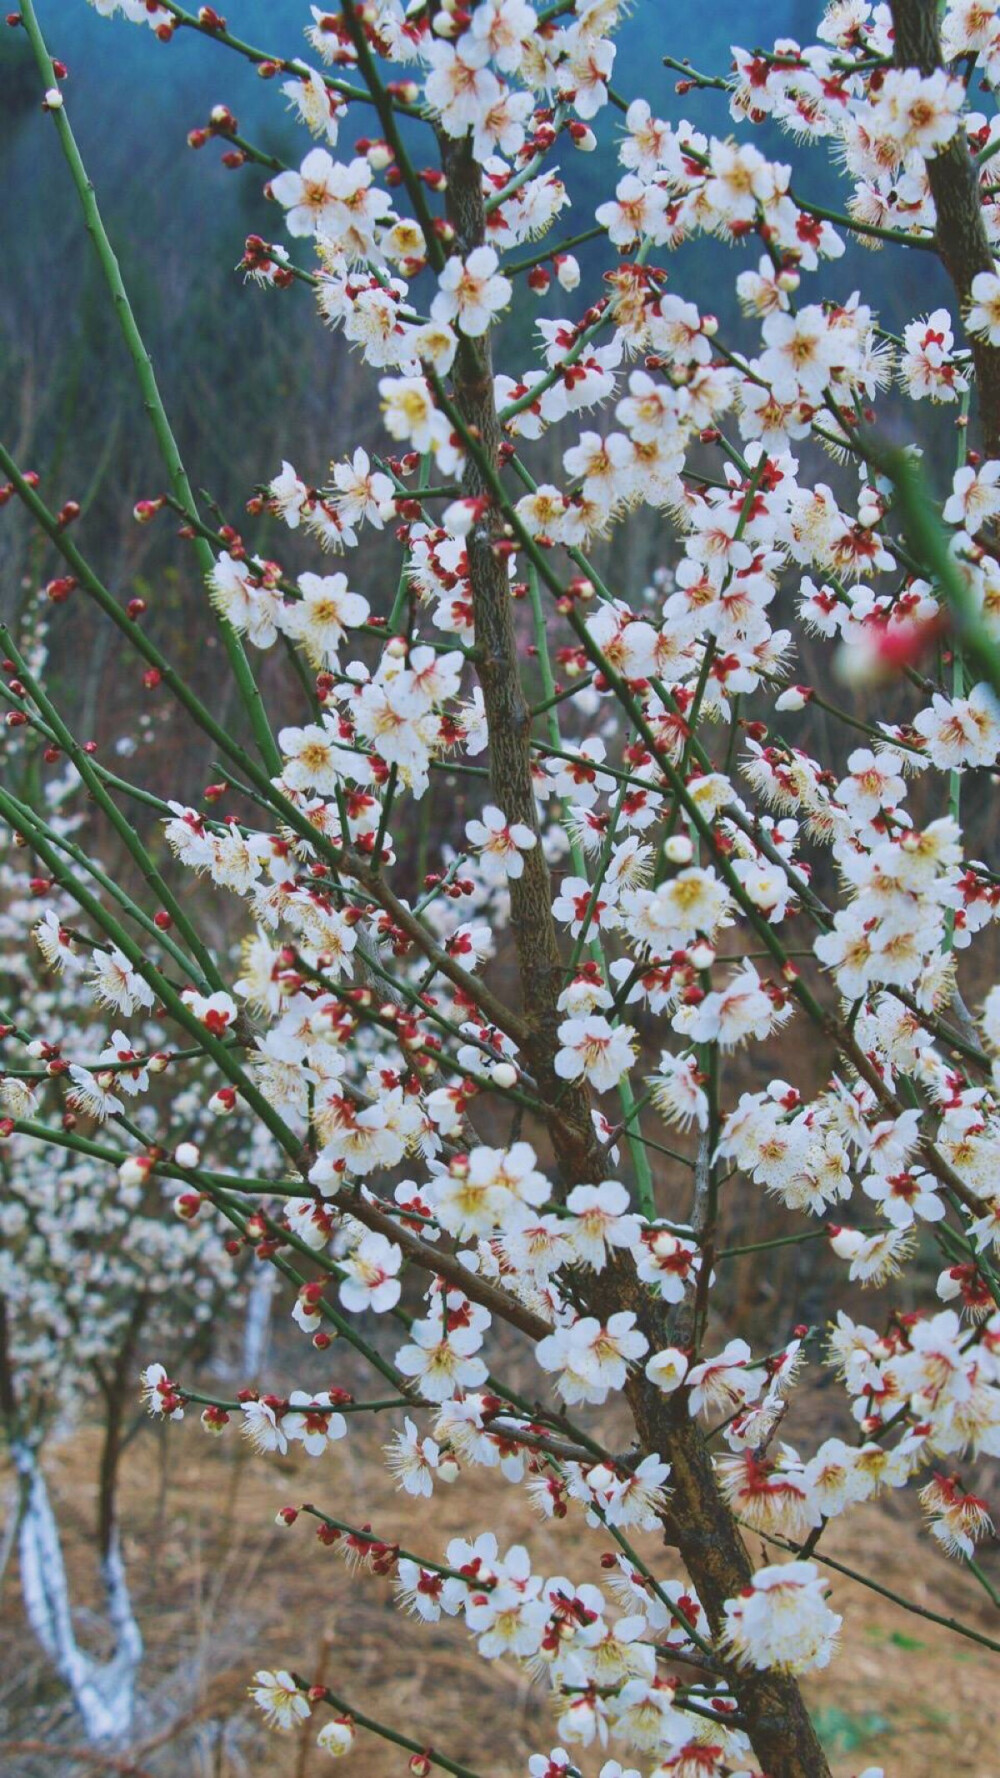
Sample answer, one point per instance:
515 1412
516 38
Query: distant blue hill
179 219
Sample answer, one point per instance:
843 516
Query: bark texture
954 181
116 1387
540 963
698 1521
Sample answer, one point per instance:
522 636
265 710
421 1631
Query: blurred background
250 377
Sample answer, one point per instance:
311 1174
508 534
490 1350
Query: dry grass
220 1589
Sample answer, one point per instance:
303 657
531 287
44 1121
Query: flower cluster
625 798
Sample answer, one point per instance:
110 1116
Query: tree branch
953 176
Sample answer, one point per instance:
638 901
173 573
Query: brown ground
221 1590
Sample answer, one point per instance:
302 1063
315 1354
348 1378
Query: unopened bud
796 697
337 1737
679 849
134 1171
567 270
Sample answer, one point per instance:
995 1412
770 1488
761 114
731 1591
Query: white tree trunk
257 1323
103 1691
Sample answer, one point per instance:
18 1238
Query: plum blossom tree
511 1091
91 1266
89 1270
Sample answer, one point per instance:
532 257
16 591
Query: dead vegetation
220 1589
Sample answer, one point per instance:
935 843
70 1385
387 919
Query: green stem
645 1193
146 378
124 829
874 1586
140 962
32 828
403 1741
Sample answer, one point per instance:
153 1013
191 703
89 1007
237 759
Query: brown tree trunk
540 963
8 1393
698 1520
954 181
117 1390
